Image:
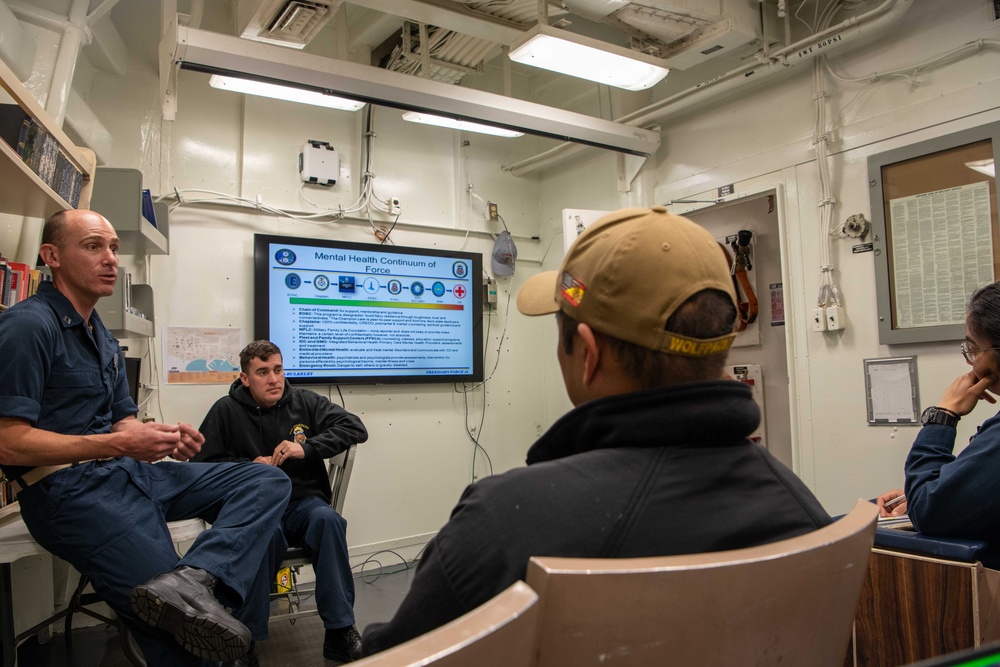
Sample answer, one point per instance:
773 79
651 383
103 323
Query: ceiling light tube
576 55
286 93
441 121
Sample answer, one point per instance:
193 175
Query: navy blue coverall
109 518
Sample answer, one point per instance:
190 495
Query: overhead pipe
822 43
43 18
75 34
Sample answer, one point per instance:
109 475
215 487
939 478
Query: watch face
928 416
934 416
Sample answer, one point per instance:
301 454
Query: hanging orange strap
745 296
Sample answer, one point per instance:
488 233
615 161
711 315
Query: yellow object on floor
283 580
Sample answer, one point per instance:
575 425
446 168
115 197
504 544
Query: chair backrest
340 468
786 603
498 633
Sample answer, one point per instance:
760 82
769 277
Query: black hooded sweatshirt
652 473
236 429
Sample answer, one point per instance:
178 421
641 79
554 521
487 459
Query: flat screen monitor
359 313
132 366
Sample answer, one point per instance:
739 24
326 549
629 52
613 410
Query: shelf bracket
169 45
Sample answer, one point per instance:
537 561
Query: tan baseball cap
628 272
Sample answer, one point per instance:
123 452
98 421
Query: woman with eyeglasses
959 496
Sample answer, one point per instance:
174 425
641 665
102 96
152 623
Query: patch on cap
695 347
572 289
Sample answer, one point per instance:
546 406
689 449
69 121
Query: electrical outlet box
835 318
494 211
489 292
819 319
393 205
319 163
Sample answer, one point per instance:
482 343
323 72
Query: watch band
936 415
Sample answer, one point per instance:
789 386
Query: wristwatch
936 415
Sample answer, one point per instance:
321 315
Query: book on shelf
27 150
14 291
19 281
148 211
45 157
34 280
5 285
7 496
23 272
14 125
42 153
68 180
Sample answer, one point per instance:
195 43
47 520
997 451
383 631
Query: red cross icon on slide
459 291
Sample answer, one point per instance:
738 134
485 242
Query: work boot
248 660
182 603
342 645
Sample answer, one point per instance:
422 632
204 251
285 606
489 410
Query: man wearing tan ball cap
653 460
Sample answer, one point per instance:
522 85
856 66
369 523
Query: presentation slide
353 313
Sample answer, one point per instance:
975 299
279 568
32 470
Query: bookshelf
23 192
117 195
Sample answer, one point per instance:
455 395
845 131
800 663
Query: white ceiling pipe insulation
75 31
784 60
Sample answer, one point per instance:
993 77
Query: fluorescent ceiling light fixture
286 93
191 49
568 53
983 167
441 121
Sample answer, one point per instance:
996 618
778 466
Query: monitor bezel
261 295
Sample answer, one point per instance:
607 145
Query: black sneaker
343 645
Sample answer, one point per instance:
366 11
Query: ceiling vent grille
287 22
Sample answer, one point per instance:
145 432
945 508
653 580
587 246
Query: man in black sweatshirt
653 461
267 421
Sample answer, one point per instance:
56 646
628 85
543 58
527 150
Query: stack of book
41 152
19 281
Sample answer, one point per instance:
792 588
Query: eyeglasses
970 355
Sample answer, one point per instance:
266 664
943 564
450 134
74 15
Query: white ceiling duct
595 10
664 26
286 22
692 31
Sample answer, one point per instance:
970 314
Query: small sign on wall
777 305
575 220
752 375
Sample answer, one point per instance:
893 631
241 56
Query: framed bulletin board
936 234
